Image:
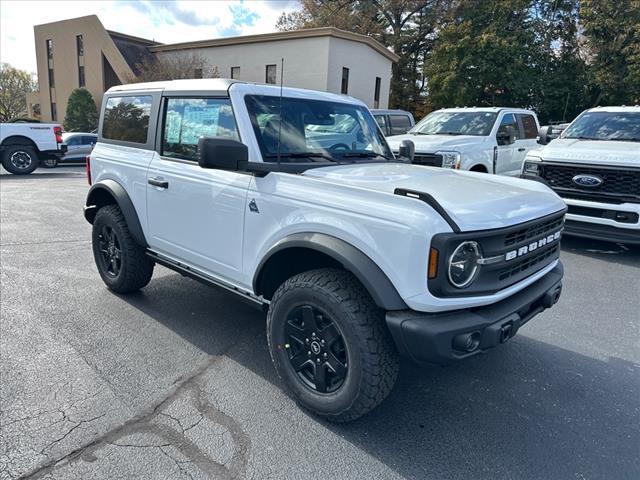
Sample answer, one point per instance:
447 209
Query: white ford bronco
595 166
26 146
357 256
480 139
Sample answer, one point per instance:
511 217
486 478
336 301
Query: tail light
57 130
87 160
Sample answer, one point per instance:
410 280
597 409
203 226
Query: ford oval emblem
587 180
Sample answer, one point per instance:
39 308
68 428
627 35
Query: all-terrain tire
20 159
371 356
134 269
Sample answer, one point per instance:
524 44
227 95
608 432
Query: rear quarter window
126 118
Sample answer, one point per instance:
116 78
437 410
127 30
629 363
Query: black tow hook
506 332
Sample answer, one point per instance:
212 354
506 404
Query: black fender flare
375 281
96 199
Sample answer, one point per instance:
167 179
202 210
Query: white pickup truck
489 140
595 167
25 146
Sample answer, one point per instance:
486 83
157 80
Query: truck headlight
463 264
450 159
532 168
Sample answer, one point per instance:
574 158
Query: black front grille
532 237
535 230
617 183
529 263
428 159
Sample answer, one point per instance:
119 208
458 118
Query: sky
166 21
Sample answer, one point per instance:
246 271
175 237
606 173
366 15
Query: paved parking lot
176 381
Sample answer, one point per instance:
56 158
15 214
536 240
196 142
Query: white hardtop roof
205 86
483 109
614 109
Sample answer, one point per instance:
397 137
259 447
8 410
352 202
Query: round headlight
463 264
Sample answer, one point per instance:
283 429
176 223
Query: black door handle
158 183
522 149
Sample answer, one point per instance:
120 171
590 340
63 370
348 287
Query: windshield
314 130
621 126
456 123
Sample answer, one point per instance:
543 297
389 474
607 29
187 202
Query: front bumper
430 337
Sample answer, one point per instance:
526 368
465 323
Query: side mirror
545 135
407 150
506 136
222 154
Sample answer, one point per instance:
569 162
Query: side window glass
509 120
382 122
399 124
73 141
127 118
86 140
189 119
529 126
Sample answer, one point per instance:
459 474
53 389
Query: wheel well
286 263
19 140
100 198
479 168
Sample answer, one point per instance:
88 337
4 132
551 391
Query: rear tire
122 263
20 159
330 346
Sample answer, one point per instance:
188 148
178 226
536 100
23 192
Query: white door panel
199 216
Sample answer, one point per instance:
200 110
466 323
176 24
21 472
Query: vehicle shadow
623 254
527 410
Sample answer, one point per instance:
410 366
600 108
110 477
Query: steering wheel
339 146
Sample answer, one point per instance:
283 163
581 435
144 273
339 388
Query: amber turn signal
433 263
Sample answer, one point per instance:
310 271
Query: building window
54 112
49 48
52 81
127 118
345 81
197 73
235 72
270 76
80 45
81 80
376 93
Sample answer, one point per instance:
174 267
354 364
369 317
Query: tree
408 27
612 34
81 115
173 66
14 85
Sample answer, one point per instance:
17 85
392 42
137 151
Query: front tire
329 344
122 263
20 160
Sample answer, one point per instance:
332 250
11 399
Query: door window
88 140
73 141
399 124
382 121
529 126
189 119
509 120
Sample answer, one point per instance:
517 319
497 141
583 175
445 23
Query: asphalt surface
176 381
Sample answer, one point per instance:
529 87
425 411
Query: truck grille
618 184
531 236
428 159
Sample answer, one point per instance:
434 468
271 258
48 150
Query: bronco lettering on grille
532 246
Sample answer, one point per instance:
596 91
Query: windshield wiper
619 139
365 155
449 133
583 138
301 155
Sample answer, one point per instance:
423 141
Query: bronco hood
475 201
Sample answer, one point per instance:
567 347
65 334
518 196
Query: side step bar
187 271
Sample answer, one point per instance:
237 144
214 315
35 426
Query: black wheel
20 160
329 344
121 262
50 162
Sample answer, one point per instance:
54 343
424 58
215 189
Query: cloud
167 21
